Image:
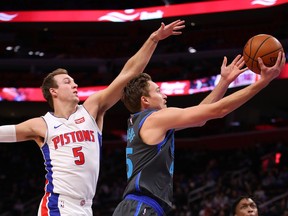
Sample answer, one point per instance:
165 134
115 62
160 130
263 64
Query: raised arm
228 75
134 66
158 123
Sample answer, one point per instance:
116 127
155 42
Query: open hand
231 72
171 29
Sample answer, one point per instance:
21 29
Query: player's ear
52 91
144 100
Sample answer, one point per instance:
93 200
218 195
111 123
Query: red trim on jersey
44 208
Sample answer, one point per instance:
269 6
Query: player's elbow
201 124
223 112
219 112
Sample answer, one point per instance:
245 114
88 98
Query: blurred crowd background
206 182
245 152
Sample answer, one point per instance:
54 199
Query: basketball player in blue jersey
70 137
151 127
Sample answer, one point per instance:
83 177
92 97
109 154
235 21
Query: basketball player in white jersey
70 136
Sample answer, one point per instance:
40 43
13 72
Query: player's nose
75 85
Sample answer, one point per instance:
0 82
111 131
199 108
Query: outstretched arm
231 102
32 129
134 66
158 123
228 75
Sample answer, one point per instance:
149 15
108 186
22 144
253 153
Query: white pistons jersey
71 152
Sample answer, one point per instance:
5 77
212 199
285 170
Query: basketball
263 45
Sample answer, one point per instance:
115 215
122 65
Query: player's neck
65 111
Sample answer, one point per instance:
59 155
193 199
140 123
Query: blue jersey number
129 162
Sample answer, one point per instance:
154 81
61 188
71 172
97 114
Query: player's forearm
237 99
8 133
133 67
137 63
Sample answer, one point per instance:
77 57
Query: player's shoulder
37 125
36 120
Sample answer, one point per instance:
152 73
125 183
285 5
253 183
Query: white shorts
60 205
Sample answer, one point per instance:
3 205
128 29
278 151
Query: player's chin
77 99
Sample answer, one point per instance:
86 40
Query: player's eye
67 81
243 206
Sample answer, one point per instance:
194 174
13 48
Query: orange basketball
263 45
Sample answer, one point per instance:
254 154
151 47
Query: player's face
156 99
67 88
246 207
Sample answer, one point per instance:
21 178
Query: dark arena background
246 152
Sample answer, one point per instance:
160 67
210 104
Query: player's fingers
178 22
244 69
174 23
240 62
260 62
236 59
176 33
283 58
179 27
280 59
224 62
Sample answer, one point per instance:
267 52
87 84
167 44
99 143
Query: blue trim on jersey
173 145
138 209
53 205
159 146
137 182
100 144
137 113
144 118
148 201
46 154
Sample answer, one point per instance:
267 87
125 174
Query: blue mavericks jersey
149 167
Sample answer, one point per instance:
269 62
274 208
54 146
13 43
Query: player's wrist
154 38
224 82
8 133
